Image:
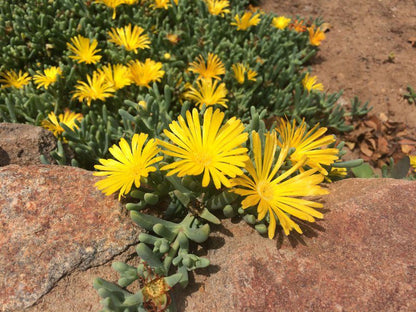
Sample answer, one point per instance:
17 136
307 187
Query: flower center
265 190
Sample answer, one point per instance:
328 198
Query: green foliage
35 36
411 96
117 299
393 170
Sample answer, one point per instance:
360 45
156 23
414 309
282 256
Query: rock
361 257
54 222
22 144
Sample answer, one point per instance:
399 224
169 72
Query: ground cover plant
200 109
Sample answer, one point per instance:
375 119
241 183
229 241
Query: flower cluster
168 101
215 151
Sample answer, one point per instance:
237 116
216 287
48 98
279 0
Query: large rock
24 144
361 257
54 221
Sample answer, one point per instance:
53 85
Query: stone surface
54 221
361 257
22 144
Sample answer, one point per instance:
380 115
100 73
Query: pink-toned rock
361 257
22 144
54 221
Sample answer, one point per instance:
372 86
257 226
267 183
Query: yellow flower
68 118
112 4
211 149
130 40
173 38
144 73
161 4
142 104
130 2
240 71
247 20
277 195
413 161
167 56
212 69
131 163
280 22
309 83
315 36
97 88
117 76
336 174
208 93
255 9
12 79
83 50
218 7
311 144
50 76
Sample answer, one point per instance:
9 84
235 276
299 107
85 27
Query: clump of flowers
168 101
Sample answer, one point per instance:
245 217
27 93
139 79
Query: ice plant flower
113 4
281 22
218 7
49 76
336 174
309 144
208 93
309 83
240 71
298 26
97 88
247 20
131 164
211 149
161 4
413 161
315 36
173 38
213 68
12 79
68 118
118 75
131 41
83 50
144 73
276 195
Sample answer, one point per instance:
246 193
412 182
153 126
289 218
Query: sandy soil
355 55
